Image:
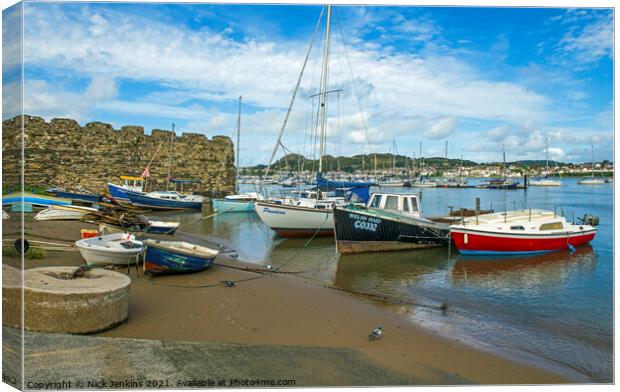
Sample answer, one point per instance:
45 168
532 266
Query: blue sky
477 77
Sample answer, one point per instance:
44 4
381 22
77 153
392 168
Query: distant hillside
297 162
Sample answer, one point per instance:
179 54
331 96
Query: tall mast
324 84
170 156
238 163
547 155
592 153
503 159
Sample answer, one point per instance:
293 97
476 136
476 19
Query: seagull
376 333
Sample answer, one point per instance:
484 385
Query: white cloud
442 128
590 36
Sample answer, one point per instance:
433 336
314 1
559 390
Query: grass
32 253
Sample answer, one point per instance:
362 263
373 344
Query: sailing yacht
545 181
312 217
503 182
591 180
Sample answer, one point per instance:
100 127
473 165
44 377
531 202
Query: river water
556 309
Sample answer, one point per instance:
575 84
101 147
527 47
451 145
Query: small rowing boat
63 213
118 248
82 195
162 257
165 200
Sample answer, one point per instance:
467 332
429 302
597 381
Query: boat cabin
408 204
132 183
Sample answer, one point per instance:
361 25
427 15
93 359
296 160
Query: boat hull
296 221
142 200
117 192
160 260
472 242
223 205
78 196
360 231
37 200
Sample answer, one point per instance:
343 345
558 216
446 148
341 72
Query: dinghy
236 203
119 248
55 212
161 257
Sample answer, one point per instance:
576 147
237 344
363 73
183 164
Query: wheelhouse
408 204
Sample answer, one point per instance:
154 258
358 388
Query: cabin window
414 204
376 201
391 203
406 204
551 226
517 228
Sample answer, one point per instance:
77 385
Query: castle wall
64 154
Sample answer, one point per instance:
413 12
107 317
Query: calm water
555 308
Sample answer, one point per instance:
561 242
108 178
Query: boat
502 182
5 215
236 203
609 180
309 217
82 195
591 180
22 207
176 256
130 183
63 213
389 222
111 249
165 200
423 182
34 199
161 227
153 227
545 181
521 232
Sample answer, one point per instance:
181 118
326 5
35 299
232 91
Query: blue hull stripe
35 200
175 262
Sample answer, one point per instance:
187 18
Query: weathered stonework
64 154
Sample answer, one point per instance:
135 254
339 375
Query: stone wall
64 154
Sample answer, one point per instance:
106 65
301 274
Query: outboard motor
589 219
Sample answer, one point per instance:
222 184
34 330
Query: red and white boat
521 232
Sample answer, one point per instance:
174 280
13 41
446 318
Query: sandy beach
286 310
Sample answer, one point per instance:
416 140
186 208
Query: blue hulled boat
161 257
119 192
35 199
87 197
165 200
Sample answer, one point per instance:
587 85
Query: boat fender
572 248
465 238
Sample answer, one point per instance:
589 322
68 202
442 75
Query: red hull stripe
477 243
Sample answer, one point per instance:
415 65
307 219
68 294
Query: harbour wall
64 154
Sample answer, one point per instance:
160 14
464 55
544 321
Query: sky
479 78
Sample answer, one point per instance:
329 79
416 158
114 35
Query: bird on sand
376 333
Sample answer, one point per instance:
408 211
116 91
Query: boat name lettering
365 222
270 211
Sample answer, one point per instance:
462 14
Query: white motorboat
118 248
545 182
55 212
302 220
591 181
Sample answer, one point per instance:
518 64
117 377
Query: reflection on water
524 273
557 306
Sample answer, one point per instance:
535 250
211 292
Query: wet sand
287 310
